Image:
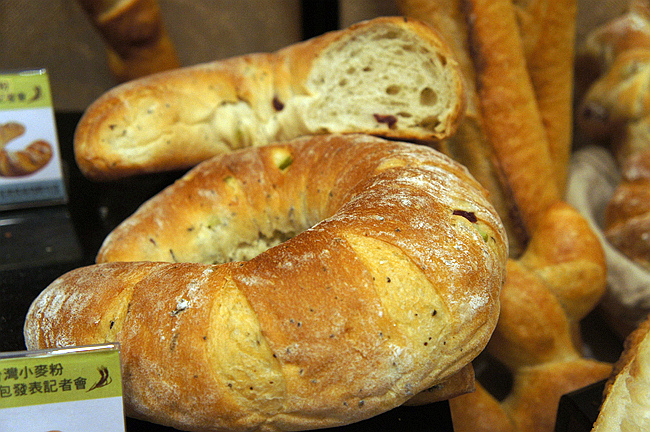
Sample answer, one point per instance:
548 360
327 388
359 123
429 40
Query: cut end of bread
388 77
388 80
627 403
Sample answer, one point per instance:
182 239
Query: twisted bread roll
389 286
556 274
616 109
389 76
137 42
546 293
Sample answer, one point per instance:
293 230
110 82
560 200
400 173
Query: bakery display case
552 213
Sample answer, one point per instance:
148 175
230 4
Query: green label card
29 89
62 390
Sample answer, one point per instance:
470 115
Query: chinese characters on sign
9 95
62 389
42 378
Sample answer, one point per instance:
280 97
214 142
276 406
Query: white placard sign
30 163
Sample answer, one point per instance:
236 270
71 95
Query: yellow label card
29 89
33 378
64 387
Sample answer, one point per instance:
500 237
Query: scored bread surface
386 285
389 76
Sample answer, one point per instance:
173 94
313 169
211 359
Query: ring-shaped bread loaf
388 285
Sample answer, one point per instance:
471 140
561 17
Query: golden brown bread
548 33
503 128
137 42
507 100
616 110
557 272
626 406
627 221
390 77
546 293
389 286
470 144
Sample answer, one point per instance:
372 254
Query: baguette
389 287
556 273
548 34
503 128
390 77
509 108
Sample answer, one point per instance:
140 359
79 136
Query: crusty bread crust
390 77
389 286
509 108
547 29
625 405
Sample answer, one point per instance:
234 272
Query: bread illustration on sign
390 77
19 163
386 284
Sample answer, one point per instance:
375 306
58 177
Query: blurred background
58 34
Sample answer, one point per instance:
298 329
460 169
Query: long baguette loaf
389 286
503 129
556 273
389 76
548 33
470 144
